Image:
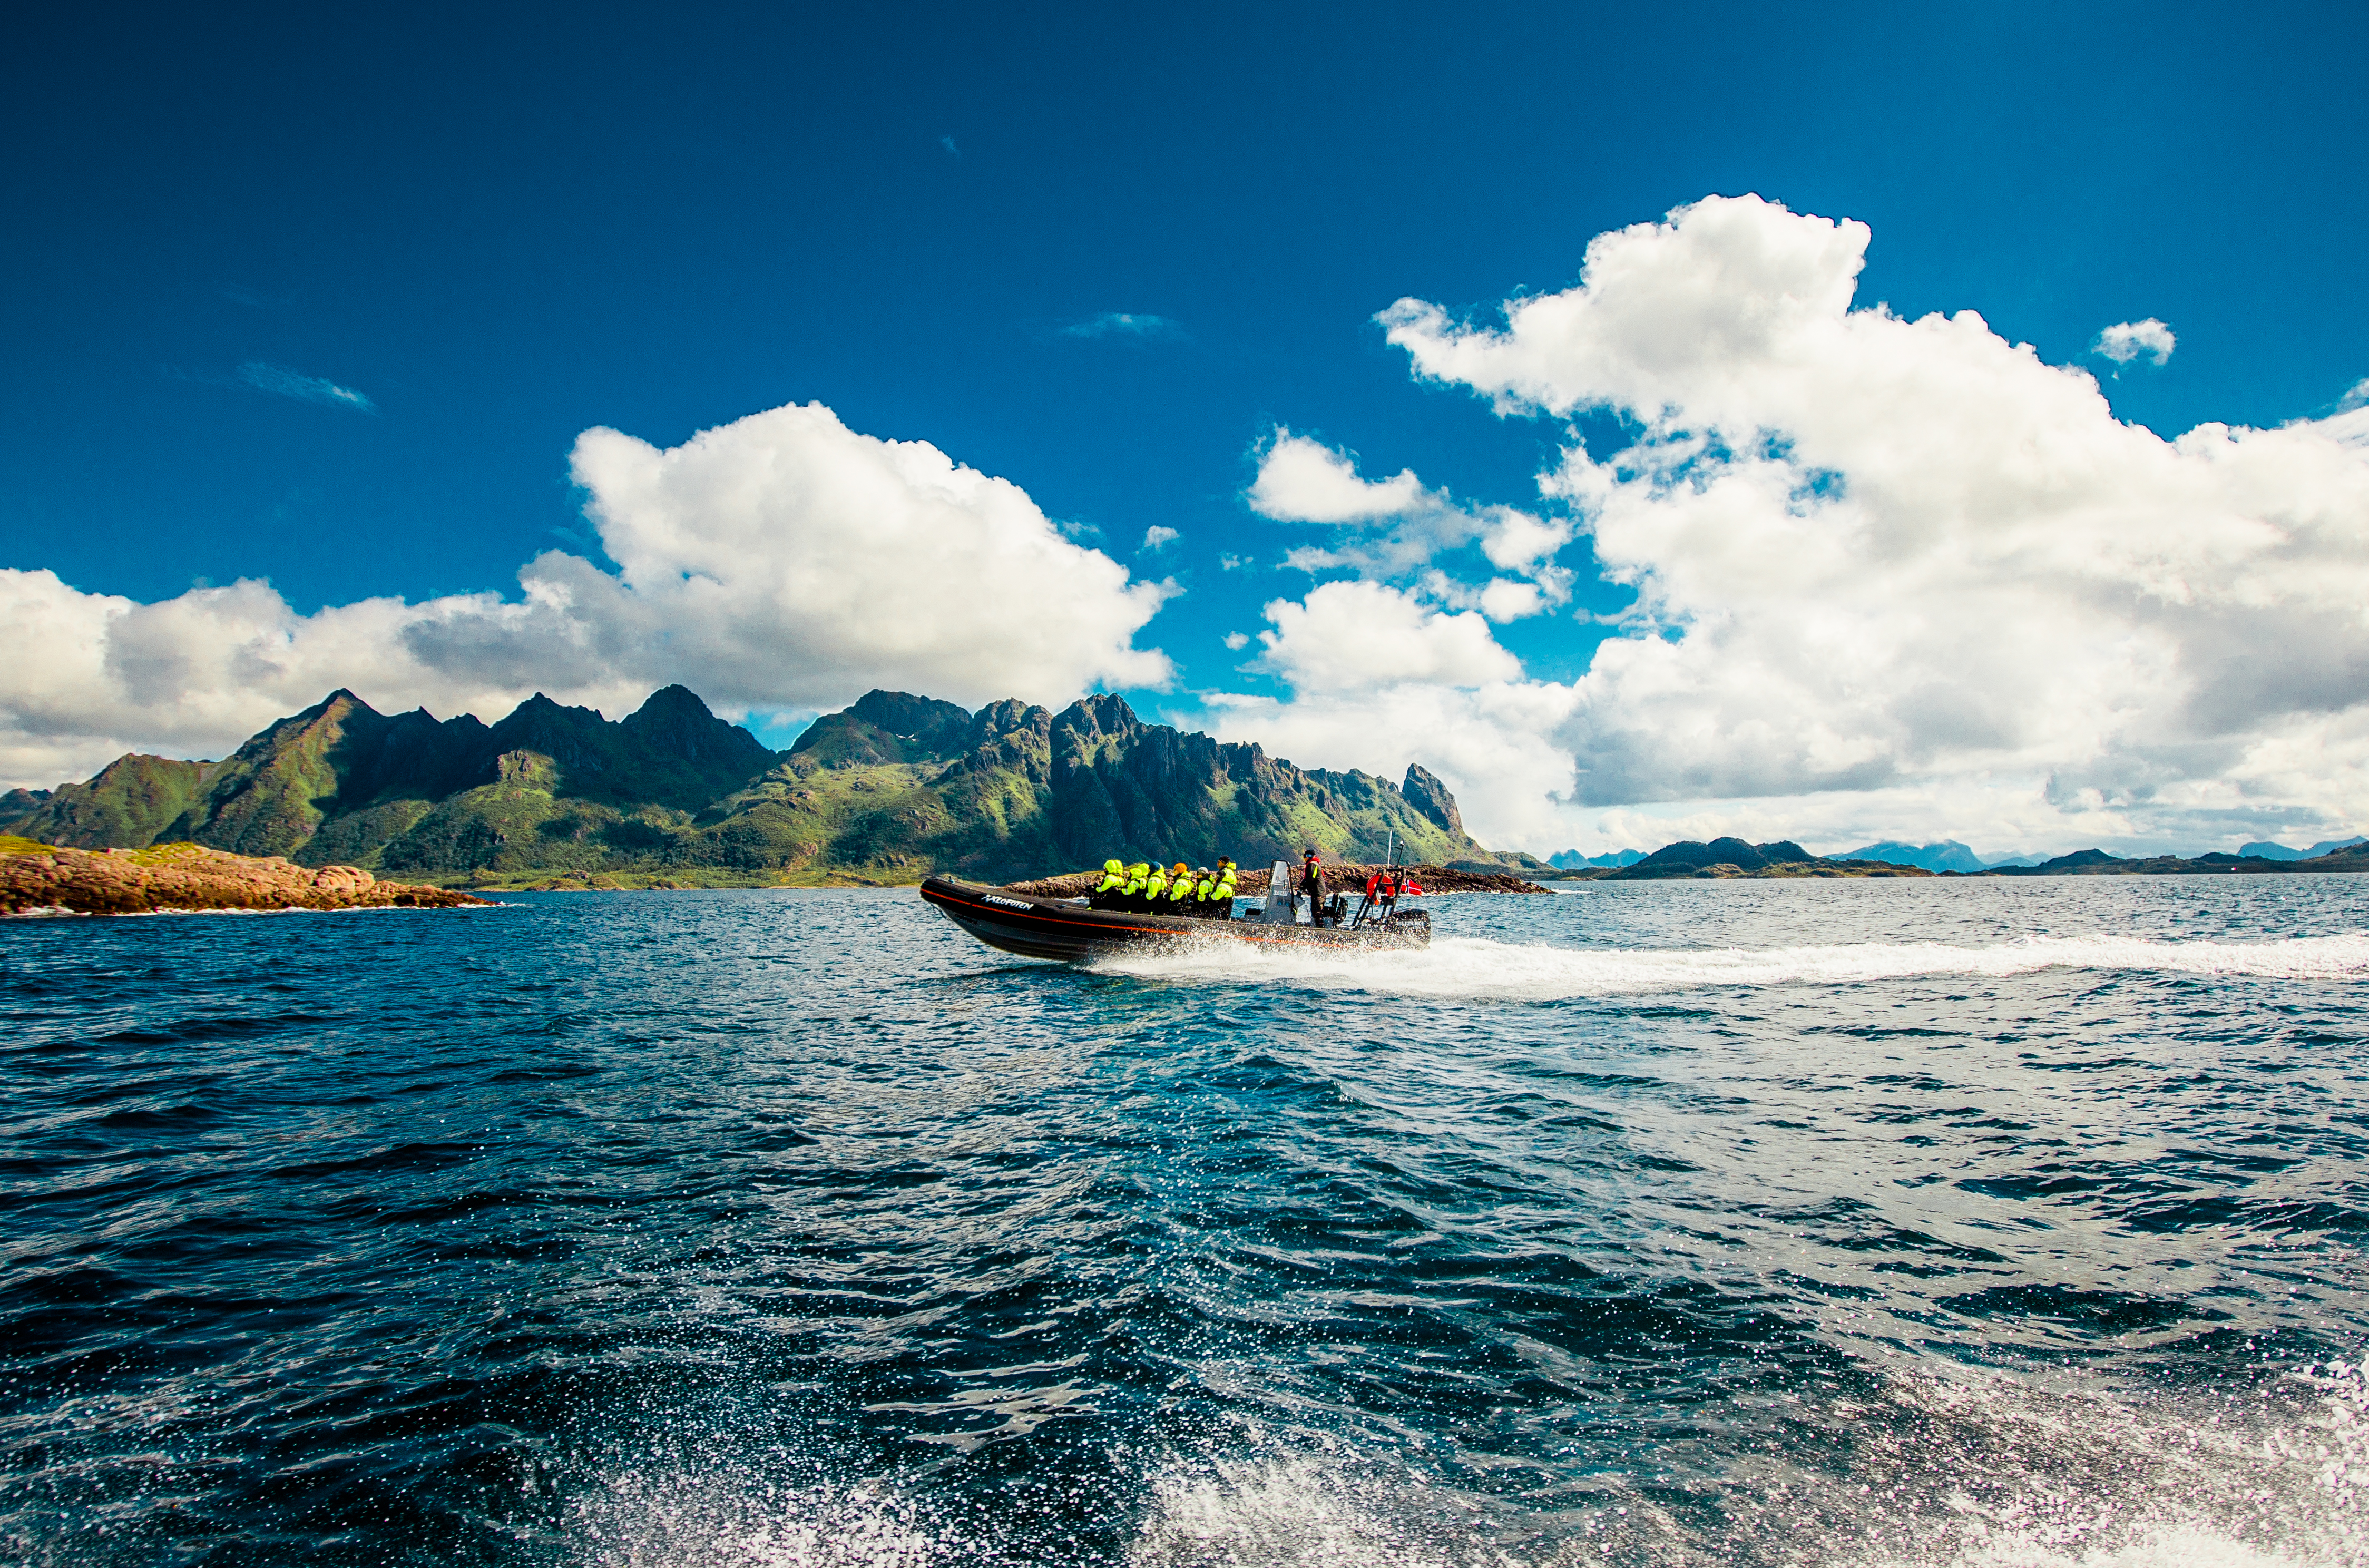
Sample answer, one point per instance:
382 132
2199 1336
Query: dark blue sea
1865 1223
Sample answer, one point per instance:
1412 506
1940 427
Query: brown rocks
1349 878
1071 885
36 878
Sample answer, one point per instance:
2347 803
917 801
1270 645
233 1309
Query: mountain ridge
1735 858
885 790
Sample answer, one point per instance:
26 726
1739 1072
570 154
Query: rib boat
1070 931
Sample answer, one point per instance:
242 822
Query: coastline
38 879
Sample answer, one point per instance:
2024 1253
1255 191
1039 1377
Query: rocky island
38 878
1724 858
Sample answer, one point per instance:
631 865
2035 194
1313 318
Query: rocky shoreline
38 878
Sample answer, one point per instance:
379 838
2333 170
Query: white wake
1467 967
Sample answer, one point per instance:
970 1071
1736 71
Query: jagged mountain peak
1427 795
1104 711
883 727
901 712
675 722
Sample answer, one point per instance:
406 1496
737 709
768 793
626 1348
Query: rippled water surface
1915 1222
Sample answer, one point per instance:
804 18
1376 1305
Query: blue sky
327 299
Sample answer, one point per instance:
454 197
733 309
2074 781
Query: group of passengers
1207 893
1145 889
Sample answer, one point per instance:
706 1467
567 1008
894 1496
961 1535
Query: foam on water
669 1519
1468 966
1991 1473
1950 1470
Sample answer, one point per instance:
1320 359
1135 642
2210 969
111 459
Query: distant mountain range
1951 856
1571 860
2280 851
1947 855
2354 856
889 789
886 791
1733 857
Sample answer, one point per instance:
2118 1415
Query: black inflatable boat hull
1054 928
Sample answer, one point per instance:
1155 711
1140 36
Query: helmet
1112 866
1179 869
1202 872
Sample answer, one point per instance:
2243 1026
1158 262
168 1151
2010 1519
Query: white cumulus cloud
1492 744
1302 480
2127 341
779 562
1380 678
1350 635
1905 573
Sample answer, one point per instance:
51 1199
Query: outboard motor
1282 904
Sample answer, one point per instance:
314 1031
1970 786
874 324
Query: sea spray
1475 968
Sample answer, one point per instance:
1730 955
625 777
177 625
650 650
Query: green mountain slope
127 804
891 788
895 786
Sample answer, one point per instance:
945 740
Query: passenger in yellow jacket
1180 889
1204 894
1155 890
1221 896
1114 881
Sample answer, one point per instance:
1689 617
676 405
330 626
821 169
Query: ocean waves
1862 1228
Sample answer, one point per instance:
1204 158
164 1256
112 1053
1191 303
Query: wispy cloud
2126 340
1124 324
2356 398
949 143
1159 538
281 382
